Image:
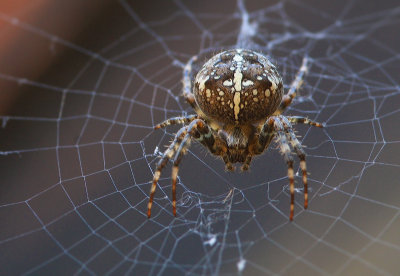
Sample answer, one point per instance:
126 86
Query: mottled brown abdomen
237 87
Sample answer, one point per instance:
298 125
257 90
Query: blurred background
82 83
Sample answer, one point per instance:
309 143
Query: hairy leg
294 87
187 82
281 127
176 120
274 127
195 128
265 137
285 151
303 120
168 154
300 154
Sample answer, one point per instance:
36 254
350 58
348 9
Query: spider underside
238 99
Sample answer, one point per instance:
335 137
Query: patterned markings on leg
300 154
211 140
285 150
176 120
191 131
304 170
291 184
294 87
205 134
174 175
187 83
303 120
266 135
161 164
152 192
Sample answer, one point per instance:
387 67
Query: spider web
78 148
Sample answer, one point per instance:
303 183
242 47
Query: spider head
238 87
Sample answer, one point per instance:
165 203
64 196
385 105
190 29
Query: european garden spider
238 99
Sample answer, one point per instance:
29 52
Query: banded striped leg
266 135
187 82
228 164
274 126
285 150
196 128
300 154
303 120
161 164
297 82
176 120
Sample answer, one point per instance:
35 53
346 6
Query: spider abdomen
238 87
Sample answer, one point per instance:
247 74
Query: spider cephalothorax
238 99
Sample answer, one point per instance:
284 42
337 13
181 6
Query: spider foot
246 164
229 167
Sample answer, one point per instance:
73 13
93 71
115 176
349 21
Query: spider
238 99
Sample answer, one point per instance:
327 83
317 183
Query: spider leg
297 82
282 128
228 163
265 137
161 164
300 154
246 163
303 120
197 127
285 150
176 120
187 82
